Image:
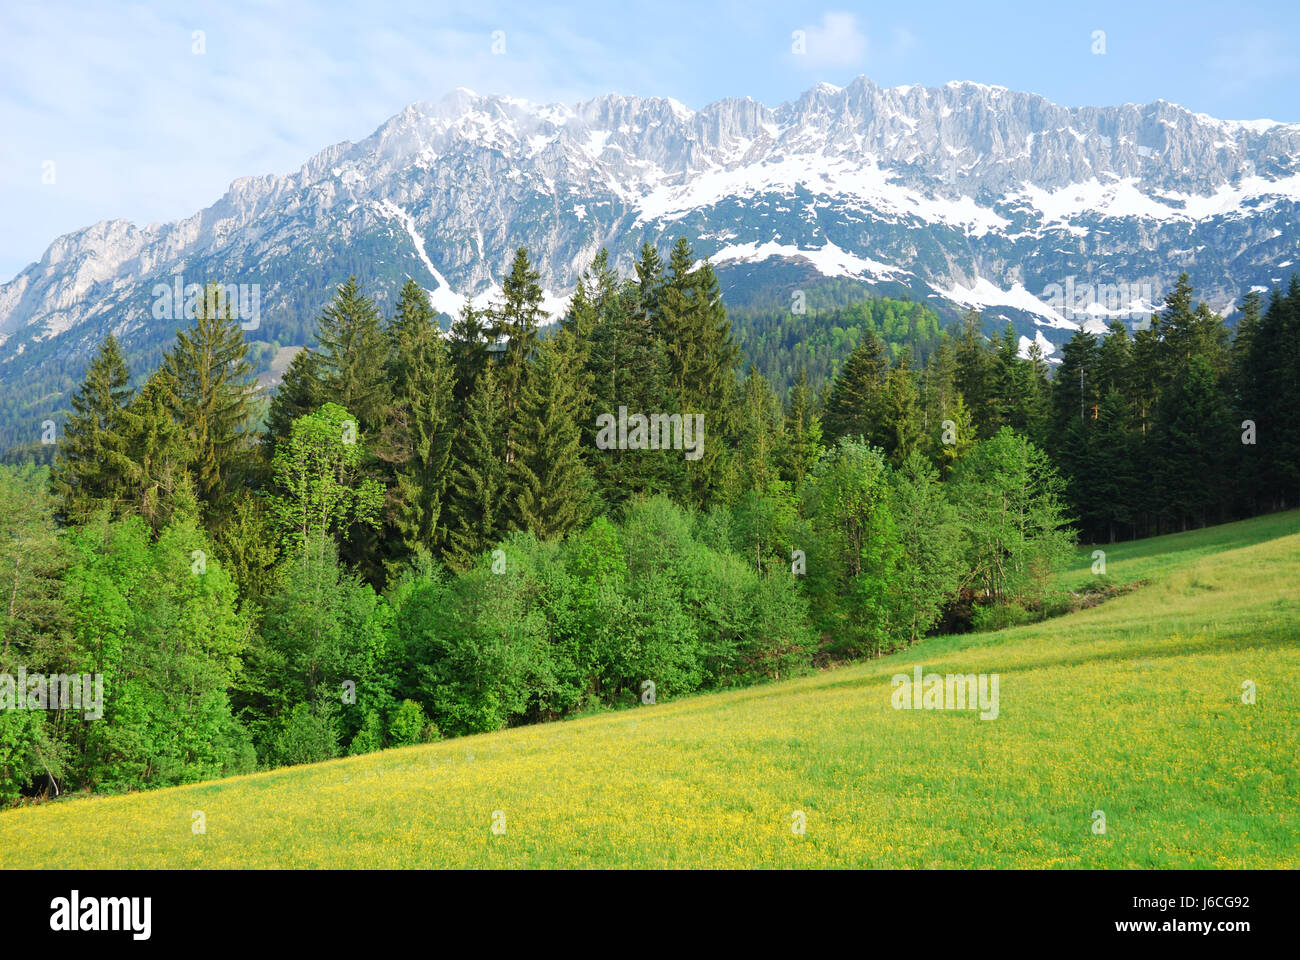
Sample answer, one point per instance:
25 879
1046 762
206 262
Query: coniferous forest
427 534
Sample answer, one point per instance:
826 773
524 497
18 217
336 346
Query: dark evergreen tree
467 348
1110 489
417 439
854 406
627 366
158 486
803 430
901 429
550 484
212 397
353 354
477 503
1194 437
974 373
93 464
299 393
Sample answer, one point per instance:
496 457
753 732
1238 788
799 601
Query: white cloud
837 41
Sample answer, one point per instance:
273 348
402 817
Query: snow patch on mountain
829 259
872 186
1045 345
985 294
1125 198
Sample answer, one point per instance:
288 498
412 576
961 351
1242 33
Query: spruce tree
1194 436
353 353
299 393
803 429
416 442
211 396
673 318
515 321
853 408
1038 395
467 350
649 278
974 373
159 485
627 366
477 504
92 466
550 484
762 443
1112 481
1247 399
901 423
1075 390
1008 384
955 436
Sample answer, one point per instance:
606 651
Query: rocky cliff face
965 194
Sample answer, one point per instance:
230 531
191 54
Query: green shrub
998 616
407 724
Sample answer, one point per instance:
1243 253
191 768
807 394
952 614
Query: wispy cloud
836 42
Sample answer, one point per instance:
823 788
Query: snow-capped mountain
963 194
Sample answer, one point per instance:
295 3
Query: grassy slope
1132 707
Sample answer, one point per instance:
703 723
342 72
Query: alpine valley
959 196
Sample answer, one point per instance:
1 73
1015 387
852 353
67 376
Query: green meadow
1128 714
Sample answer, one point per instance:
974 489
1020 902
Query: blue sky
111 103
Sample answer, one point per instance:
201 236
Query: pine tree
299 393
550 484
212 397
353 354
974 373
627 366
158 484
803 429
853 408
416 442
468 352
1193 436
477 504
901 432
92 466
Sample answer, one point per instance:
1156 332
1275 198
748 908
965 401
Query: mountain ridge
964 195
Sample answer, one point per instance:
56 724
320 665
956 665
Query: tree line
420 536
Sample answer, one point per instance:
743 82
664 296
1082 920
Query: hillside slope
1132 708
